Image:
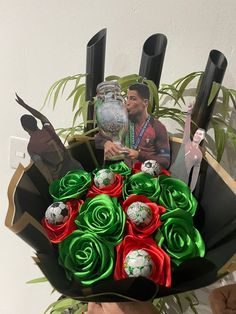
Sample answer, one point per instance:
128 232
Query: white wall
42 41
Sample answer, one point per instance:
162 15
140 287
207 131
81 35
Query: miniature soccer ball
104 178
139 213
138 263
151 166
56 213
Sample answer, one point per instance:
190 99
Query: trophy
112 116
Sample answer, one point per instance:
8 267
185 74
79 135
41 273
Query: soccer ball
151 166
139 213
138 263
104 178
56 213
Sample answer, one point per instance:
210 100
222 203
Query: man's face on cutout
135 104
199 135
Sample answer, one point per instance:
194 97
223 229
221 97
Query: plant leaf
174 92
76 87
214 91
91 131
60 305
225 101
232 138
49 307
49 93
127 78
220 140
77 94
179 81
112 78
186 82
77 114
56 93
37 280
199 83
154 91
84 108
232 95
70 78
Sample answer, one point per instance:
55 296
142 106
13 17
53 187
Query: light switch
18 152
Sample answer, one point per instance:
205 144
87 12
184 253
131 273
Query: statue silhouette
45 147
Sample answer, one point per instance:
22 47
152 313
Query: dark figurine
45 147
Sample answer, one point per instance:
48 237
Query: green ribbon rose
102 215
120 168
176 194
178 237
142 184
86 257
72 185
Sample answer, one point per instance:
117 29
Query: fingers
129 308
217 301
18 99
231 301
223 300
94 308
111 149
132 154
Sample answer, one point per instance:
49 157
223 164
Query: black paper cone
153 57
95 63
214 72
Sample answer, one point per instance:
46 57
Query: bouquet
112 234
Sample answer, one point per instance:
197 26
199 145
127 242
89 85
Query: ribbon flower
176 194
142 184
156 211
161 272
73 185
113 190
120 168
178 237
57 233
102 215
86 257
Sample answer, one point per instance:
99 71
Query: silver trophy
112 116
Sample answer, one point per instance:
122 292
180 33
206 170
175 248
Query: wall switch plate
18 152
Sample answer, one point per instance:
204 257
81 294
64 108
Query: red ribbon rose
57 233
143 231
113 190
137 168
161 271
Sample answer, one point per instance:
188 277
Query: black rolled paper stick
95 65
153 57
214 72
